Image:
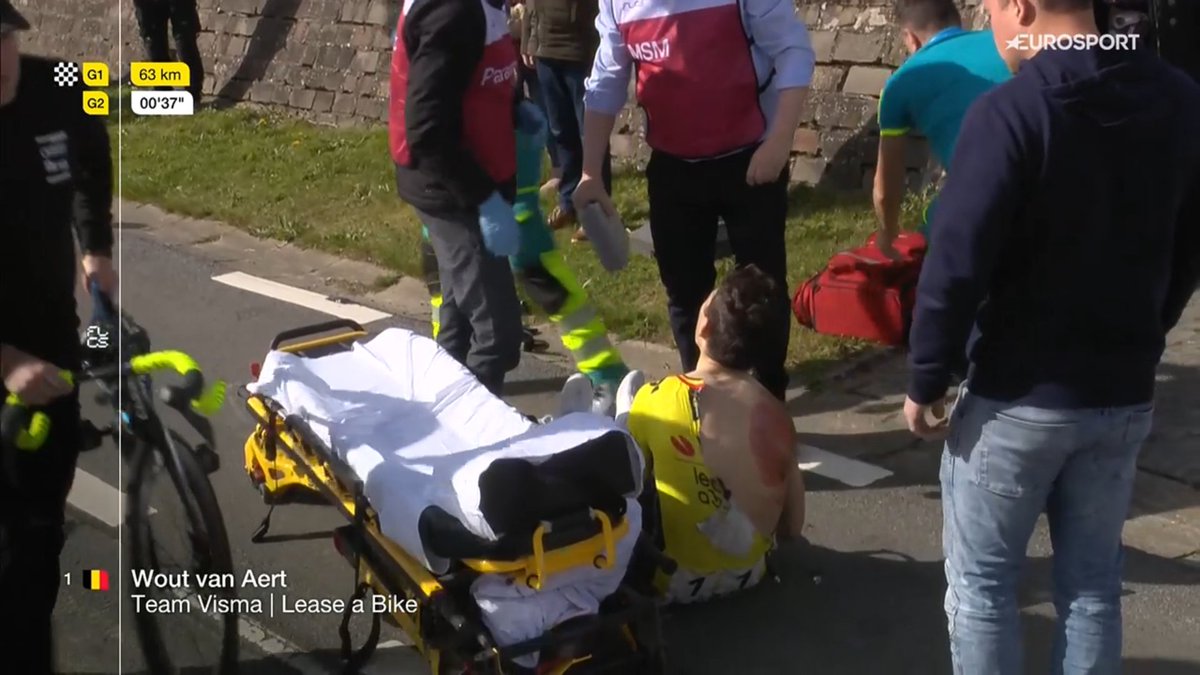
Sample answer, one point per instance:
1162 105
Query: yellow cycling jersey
665 421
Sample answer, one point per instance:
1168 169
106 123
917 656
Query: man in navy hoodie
1065 245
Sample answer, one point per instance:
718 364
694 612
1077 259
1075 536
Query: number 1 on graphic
68 577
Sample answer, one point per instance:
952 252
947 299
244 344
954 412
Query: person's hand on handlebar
98 269
35 381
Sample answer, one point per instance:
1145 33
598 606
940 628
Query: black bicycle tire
158 661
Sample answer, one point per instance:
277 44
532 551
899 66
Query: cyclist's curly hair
744 317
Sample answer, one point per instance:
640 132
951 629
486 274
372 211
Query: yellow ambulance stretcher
521 544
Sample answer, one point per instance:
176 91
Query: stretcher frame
284 456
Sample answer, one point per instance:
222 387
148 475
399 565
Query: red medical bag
863 294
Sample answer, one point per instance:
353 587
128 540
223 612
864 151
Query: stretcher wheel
266 497
258 480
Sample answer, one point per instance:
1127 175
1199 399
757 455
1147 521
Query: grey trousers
481 314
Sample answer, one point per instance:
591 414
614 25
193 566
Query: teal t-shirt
931 91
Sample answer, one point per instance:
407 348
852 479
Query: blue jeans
562 87
1002 467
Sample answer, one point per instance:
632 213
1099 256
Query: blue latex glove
532 122
501 234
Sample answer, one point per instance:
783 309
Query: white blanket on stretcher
419 430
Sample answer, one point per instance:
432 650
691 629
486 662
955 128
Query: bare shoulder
770 413
772 437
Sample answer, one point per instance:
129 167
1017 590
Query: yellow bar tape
207 403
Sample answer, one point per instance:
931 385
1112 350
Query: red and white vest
696 79
487 107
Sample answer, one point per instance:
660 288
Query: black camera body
1169 27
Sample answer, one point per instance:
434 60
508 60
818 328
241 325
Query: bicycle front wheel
176 538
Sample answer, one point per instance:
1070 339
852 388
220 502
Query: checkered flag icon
66 74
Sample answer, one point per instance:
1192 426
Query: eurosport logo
1106 42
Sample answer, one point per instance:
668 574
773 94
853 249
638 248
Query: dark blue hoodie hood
1108 87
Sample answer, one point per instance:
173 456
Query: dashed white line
394 657
98 499
303 298
280 649
391 644
275 646
391 656
842 469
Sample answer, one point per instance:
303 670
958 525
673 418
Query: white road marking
98 499
297 296
280 648
390 644
842 469
274 645
391 656
394 657
794 392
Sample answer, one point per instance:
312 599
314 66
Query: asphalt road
864 597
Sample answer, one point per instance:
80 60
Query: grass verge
332 189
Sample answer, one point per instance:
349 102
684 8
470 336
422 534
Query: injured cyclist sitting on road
454 473
719 445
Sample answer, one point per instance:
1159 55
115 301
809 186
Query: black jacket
446 43
56 184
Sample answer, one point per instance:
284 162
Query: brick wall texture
327 61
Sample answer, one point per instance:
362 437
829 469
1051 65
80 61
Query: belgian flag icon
95 580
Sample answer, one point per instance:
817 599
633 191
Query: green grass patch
333 190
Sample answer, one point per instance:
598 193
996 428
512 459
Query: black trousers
32 517
686 199
153 17
481 315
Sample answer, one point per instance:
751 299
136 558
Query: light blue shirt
781 49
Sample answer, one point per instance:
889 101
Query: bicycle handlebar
20 426
28 429
192 390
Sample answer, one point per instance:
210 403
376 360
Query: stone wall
327 60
